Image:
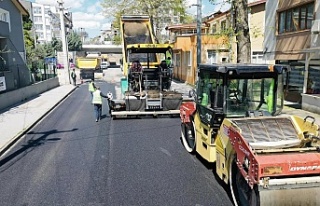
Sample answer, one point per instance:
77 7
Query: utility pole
199 23
64 44
82 30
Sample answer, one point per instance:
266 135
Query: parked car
60 66
114 65
104 65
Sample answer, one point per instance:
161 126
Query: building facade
218 43
42 22
13 70
293 38
184 40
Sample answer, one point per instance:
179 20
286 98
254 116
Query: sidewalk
17 120
288 110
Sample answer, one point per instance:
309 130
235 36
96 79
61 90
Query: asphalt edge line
17 137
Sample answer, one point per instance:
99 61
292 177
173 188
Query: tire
242 194
188 136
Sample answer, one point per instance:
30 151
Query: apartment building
43 16
292 37
46 21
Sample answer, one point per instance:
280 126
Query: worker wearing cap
97 102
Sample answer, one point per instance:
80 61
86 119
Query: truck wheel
188 136
241 193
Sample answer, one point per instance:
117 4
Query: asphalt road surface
69 159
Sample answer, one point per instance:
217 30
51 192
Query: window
188 58
257 57
37 19
223 25
177 59
299 18
38 26
212 56
282 22
295 19
213 29
47 11
48 27
4 15
37 10
39 35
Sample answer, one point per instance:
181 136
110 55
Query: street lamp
63 40
82 30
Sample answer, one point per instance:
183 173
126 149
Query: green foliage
158 10
27 23
219 4
28 38
117 40
74 42
189 19
56 44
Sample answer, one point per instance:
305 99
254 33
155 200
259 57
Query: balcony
4 31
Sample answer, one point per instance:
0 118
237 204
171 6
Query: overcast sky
87 14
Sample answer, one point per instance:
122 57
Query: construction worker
168 61
74 77
92 87
97 102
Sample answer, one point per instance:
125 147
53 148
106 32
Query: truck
88 66
235 123
147 78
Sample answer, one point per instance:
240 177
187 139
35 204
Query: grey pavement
17 120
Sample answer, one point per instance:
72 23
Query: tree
159 11
240 9
74 42
56 44
28 39
239 12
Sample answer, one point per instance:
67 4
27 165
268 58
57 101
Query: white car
104 65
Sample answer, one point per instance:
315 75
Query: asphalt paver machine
146 89
235 123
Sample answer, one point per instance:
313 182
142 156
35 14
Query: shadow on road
31 144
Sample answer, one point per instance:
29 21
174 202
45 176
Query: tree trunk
154 31
242 31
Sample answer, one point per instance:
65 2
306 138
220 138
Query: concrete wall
10 98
